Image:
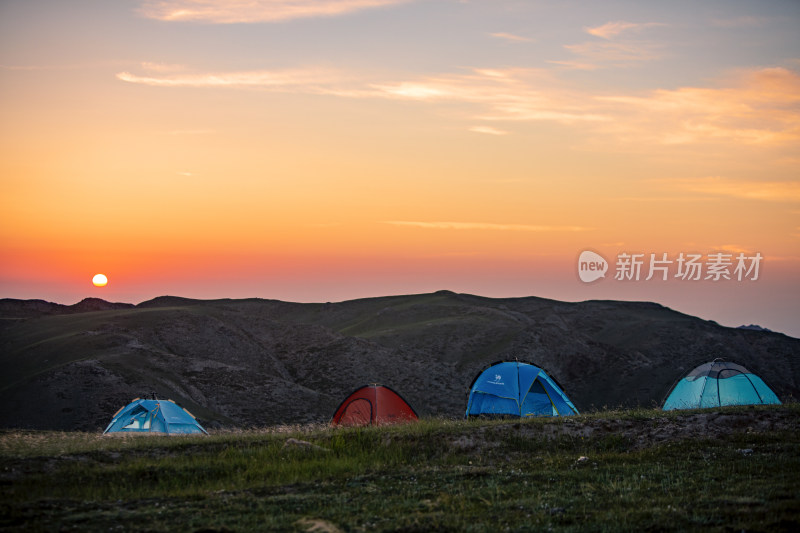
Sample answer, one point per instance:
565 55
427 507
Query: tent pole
702 391
760 399
519 391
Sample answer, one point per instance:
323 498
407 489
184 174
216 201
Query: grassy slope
443 475
40 345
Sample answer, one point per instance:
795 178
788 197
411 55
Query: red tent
373 404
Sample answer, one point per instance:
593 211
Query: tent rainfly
154 416
373 404
516 388
717 384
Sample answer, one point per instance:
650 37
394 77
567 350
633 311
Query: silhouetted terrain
263 362
754 327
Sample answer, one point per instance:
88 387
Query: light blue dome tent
717 384
154 416
517 388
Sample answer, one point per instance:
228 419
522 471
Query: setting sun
99 280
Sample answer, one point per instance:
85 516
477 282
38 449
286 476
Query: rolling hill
257 362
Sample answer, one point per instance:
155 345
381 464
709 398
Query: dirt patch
639 432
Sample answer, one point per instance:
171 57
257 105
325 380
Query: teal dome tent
516 388
154 416
717 384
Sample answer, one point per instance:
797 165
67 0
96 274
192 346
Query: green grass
439 475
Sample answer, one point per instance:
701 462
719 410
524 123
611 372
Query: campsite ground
732 469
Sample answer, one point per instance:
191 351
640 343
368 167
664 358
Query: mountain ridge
254 362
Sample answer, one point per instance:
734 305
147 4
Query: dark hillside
261 362
12 308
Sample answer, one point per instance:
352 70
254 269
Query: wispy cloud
488 130
771 191
422 90
535 111
305 79
618 54
502 94
684 198
755 107
609 30
617 48
252 11
511 37
483 226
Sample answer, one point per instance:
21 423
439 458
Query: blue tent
154 416
516 388
719 383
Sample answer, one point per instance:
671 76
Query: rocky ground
654 430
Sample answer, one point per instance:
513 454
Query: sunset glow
336 149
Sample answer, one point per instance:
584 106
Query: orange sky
351 149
